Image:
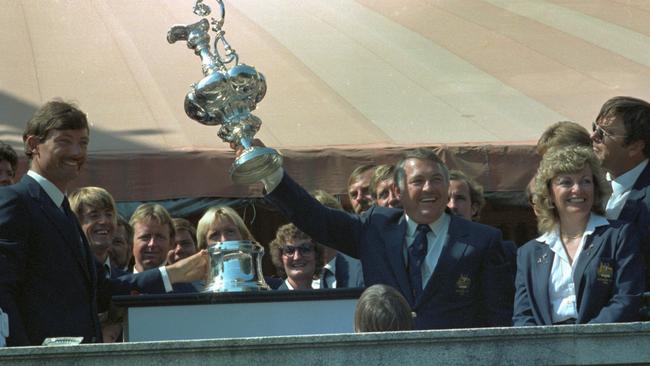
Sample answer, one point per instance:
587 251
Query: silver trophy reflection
226 96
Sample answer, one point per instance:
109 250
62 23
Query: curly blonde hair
566 160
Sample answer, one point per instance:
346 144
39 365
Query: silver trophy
226 96
236 266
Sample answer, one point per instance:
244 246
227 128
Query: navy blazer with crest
469 286
637 211
50 283
608 277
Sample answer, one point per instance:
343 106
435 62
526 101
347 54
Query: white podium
238 314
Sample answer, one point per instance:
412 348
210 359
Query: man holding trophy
452 272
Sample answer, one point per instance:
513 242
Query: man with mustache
50 283
359 188
451 271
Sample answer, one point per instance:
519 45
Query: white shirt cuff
165 279
273 180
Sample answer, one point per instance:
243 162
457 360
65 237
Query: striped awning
349 82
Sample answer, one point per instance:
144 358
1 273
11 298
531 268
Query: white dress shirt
621 187
561 288
330 278
435 241
57 197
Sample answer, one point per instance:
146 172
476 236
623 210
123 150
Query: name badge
463 284
605 273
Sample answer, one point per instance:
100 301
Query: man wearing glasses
621 141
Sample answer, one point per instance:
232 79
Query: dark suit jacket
467 287
608 278
50 283
347 272
637 210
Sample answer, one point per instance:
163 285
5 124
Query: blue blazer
637 210
608 276
469 286
50 283
348 272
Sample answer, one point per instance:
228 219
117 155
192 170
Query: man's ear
32 143
396 191
635 148
475 209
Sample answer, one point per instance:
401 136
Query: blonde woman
583 268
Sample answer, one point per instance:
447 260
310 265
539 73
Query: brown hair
381 308
183 224
635 114
290 232
54 115
563 133
9 154
475 190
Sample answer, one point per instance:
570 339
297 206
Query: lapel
70 235
394 244
453 250
341 271
591 247
637 194
541 273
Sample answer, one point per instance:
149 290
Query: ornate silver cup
236 266
226 96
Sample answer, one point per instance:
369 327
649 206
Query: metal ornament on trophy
226 96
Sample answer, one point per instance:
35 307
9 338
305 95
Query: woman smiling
583 268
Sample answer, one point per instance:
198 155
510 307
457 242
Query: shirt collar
331 265
553 237
625 182
436 226
52 191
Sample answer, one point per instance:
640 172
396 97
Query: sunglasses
304 250
601 132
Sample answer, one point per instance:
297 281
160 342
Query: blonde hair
569 159
152 211
96 197
218 213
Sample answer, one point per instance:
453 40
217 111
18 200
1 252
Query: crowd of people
414 237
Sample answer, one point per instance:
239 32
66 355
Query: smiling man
50 283
452 271
95 209
621 141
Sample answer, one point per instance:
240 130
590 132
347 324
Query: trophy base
254 164
236 286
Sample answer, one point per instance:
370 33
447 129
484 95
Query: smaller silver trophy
236 266
226 96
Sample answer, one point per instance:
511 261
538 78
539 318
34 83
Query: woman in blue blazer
583 268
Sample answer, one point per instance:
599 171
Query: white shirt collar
331 265
625 182
436 226
553 237
52 191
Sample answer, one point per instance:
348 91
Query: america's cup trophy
226 95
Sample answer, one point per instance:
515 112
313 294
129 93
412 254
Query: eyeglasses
601 132
304 250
